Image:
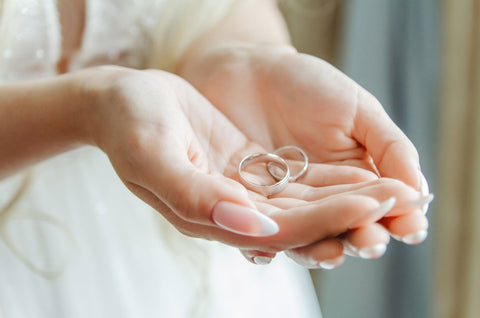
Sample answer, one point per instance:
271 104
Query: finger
338 214
321 175
317 175
411 228
209 199
308 193
309 223
369 241
381 189
190 229
365 163
393 153
283 203
326 254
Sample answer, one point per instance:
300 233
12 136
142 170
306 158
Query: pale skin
298 99
132 115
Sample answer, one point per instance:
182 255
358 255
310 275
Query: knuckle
186 213
362 176
186 202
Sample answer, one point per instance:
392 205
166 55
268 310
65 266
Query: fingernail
349 249
424 190
396 237
242 220
415 238
262 260
423 201
372 251
375 214
332 263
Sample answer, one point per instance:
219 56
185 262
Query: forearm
38 119
248 23
257 21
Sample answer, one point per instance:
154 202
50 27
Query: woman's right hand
180 155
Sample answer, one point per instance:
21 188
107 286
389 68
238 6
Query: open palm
278 98
179 154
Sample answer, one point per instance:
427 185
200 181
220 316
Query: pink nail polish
242 220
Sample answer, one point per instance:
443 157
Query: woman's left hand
279 97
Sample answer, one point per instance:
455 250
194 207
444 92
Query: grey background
391 47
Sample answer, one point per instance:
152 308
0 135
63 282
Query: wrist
47 122
201 64
94 90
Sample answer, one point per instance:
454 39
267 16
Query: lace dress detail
124 260
117 36
30 41
30 36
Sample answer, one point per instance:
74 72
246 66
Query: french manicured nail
331 263
242 220
415 238
424 199
423 202
262 260
372 251
424 190
374 215
349 249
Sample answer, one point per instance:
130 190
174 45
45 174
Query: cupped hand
279 97
179 154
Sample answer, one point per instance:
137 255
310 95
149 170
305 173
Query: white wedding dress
78 243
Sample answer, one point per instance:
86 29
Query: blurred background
421 59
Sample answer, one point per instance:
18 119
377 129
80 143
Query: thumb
209 198
393 153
